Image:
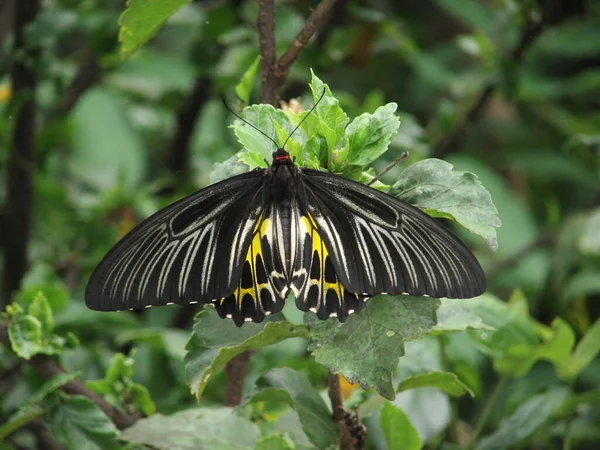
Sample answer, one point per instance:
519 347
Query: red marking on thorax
279 158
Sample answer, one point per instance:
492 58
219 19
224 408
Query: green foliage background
517 367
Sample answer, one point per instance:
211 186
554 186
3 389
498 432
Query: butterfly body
244 243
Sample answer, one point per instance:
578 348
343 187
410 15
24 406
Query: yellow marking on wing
254 250
318 245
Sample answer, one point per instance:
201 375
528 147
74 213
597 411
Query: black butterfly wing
195 250
379 244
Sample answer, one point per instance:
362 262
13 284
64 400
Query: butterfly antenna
309 113
248 123
387 168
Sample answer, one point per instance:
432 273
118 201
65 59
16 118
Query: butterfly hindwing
191 251
380 244
255 295
319 289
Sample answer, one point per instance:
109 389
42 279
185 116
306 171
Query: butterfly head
281 157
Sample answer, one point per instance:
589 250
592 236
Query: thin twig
543 240
266 32
316 20
339 414
487 410
387 168
48 369
16 216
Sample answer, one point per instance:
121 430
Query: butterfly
244 243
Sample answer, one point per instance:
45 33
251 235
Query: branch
179 148
48 368
43 438
452 141
339 413
21 159
236 371
316 20
543 240
87 75
266 38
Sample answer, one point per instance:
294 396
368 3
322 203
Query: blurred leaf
571 38
586 283
214 342
227 169
589 243
27 338
528 418
585 352
428 410
77 422
433 186
244 88
142 19
192 429
106 151
575 401
473 14
455 315
293 388
118 386
56 294
40 309
18 420
398 431
274 442
369 135
444 381
367 347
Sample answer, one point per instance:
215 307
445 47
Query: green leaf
369 135
142 19
528 417
274 442
294 389
77 422
56 294
258 146
52 385
328 111
244 88
214 342
432 185
198 428
444 381
455 315
19 419
589 243
399 432
25 333
119 388
106 152
229 168
584 353
584 283
367 347
40 309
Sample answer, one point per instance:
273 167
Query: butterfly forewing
191 251
379 244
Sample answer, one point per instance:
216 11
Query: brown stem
87 75
316 20
179 148
43 438
236 371
339 414
266 37
21 159
48 368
